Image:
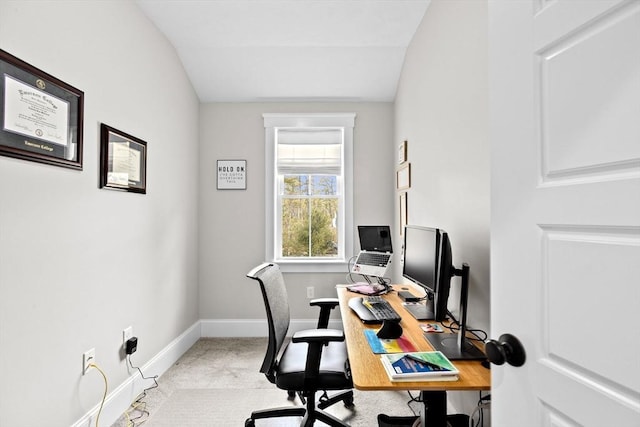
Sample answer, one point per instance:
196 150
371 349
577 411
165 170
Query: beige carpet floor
217 383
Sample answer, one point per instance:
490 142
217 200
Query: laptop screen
375 238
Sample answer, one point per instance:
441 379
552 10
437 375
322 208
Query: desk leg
435 408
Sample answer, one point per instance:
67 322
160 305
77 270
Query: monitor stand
455 345
421 310
448 344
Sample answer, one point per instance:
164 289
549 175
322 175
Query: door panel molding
598 61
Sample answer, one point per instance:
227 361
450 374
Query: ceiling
289 50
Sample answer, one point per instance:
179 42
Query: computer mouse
390 329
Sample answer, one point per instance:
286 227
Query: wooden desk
369 374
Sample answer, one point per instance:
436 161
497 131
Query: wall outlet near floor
126 334
88 357
310 291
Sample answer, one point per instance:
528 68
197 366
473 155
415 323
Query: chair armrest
326 305
321 302
318 335
316 340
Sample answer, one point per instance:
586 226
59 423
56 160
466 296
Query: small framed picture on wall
123 161
232 174
403 177
402 153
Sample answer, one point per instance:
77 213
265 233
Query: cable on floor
139 405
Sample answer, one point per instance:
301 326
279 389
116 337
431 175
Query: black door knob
507 349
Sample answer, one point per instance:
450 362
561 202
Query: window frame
273 121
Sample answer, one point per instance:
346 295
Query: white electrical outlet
88 357
310 291
126 334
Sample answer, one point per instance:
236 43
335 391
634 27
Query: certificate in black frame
123 161
42 116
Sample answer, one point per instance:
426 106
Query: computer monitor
427 262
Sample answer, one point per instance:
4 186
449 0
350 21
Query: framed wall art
402 153
41 118
232 175
123 161
403 177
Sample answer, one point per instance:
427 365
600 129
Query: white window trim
276 120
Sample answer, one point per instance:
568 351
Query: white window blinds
309 151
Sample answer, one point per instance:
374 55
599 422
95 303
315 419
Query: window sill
299 266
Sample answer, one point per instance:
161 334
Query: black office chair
313 360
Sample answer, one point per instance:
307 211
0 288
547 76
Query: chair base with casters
315 360
324 401
309 415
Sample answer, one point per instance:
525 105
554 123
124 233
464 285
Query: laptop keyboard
376 259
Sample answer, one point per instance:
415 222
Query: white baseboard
122 396
119 399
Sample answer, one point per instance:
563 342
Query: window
309 190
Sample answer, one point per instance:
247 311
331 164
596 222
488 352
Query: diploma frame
41 117
123 161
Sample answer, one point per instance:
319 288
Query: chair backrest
276 305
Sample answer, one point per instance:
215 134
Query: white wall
232 225
79 264
441 109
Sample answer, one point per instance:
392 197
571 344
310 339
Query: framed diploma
123 161
40 115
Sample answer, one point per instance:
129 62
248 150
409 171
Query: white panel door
565 227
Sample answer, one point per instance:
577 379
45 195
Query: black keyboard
373 309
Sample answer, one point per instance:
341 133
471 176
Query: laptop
375 250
